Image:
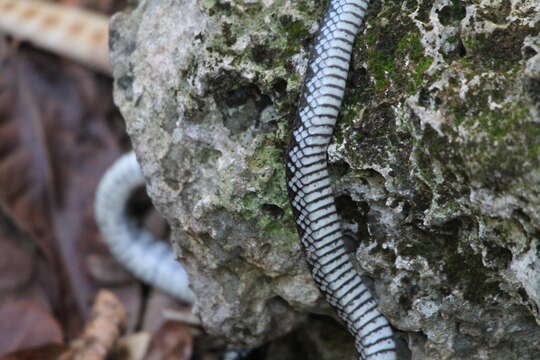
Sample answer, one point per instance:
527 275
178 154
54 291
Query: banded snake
307 174
310 190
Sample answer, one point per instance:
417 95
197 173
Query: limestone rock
436 160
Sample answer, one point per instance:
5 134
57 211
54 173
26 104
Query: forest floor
59 132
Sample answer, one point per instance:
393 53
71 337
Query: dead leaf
25 197
24 324
131 297
45 352
55 136
103 6
106 270
173 341
158 302
59 132
16 264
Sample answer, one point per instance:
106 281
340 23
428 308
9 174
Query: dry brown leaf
45 352
59 132
19 263
173 341
157 302
55 136
24 173
16 264
24 324
104 6
131 297
107 271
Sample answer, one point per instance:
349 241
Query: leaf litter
62 295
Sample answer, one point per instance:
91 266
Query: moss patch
262 40
452 13
267 204
499 50
394 54
493 131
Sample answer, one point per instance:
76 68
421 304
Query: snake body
148 259
310 191
78 34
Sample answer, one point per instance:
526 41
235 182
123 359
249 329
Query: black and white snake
310 190
308 181
310 193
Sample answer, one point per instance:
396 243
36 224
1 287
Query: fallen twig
107 318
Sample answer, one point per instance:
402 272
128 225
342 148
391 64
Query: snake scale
310 191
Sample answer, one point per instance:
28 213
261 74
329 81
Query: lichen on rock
435 159
451 129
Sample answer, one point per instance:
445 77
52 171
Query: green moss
450 252
206 155
487 138
396 61
411 46
209 4
267 203
507 41
273 34
297 31
497 12
496 137
509 150
267 164
381 67
452 13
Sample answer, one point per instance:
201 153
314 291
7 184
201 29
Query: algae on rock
435 158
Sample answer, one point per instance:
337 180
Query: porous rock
435 159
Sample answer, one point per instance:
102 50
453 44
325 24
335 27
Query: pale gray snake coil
137 249
150 260
310 190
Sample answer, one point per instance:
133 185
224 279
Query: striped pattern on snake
310 190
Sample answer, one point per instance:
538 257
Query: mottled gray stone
436 160
206 139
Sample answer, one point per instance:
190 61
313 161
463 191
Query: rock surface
436 159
